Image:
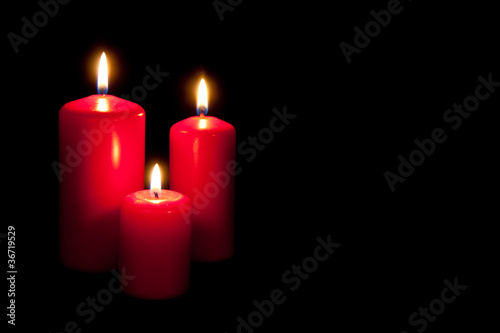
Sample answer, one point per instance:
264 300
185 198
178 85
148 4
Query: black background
322 175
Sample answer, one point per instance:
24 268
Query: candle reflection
116 150
203 123
102 104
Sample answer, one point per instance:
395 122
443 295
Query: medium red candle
101 159
202 153
155 241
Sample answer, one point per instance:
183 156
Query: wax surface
155 244
102 142
202 150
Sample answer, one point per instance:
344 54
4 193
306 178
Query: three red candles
106 221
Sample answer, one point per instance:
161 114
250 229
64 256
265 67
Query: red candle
202 153
155 241
101 159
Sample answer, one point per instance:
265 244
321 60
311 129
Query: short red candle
155 243
101 159
202 153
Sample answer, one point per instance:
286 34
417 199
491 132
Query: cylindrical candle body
101 156
155 244
202 153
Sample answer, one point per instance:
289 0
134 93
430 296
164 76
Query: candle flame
202 105
155 190
102 77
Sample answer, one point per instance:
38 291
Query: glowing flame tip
155 190
102 77
202 105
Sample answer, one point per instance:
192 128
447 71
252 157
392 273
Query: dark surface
322 175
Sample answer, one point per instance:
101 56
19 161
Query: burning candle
101 159
202 153
155 241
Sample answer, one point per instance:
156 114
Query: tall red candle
155 241
101 159
202 153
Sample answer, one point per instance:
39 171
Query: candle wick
201 111
156 195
